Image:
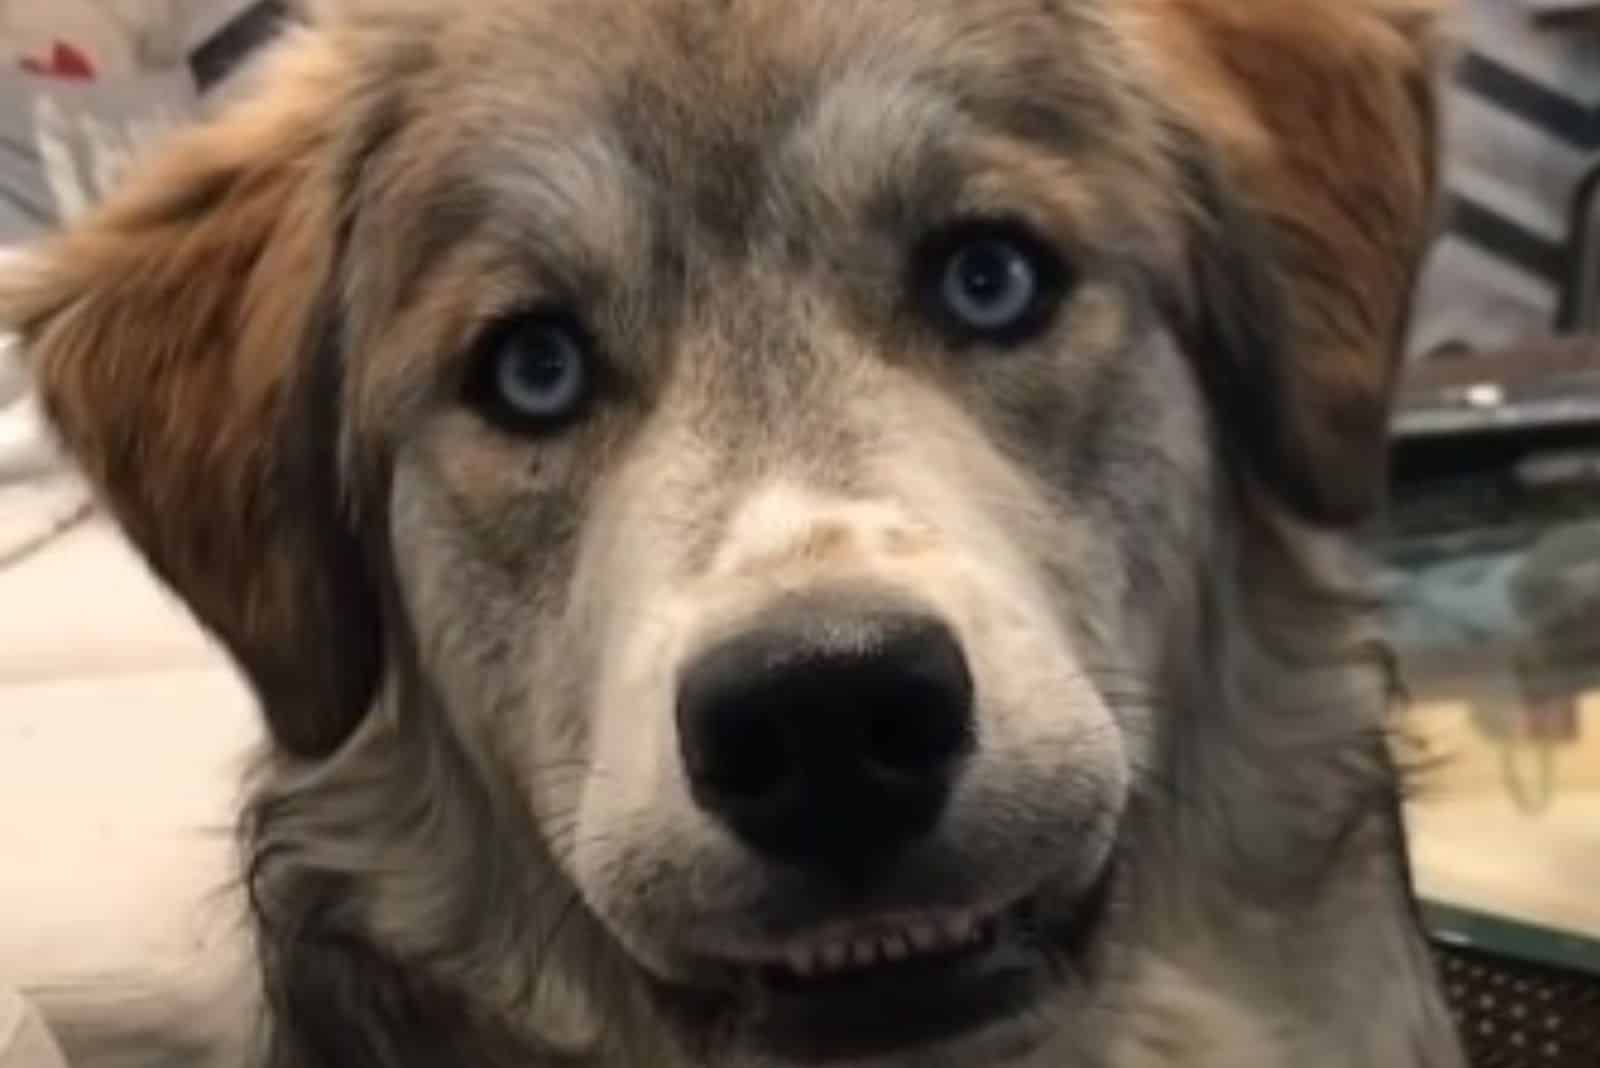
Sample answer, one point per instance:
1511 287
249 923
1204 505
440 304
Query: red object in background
65 61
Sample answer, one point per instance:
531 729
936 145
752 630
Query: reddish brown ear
174 334
1320 115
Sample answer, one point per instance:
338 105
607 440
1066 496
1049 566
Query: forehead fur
594 147
698 99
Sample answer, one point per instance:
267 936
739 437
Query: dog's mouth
890 985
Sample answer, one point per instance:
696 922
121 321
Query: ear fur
1321 116
174 334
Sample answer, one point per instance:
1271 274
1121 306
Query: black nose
828 738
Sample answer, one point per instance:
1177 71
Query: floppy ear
1319 117
180 344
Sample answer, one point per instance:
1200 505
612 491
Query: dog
778 533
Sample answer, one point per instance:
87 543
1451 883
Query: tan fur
146 340
1326 114
166 330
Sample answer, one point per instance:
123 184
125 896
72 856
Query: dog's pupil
544 367
540 370
544 360
985 273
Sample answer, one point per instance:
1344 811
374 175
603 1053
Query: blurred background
1492 544
1490 552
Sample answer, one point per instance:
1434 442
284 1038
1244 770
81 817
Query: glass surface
1494 593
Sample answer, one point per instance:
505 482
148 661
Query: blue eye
991 282
535 372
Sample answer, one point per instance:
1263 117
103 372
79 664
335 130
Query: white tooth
958 929
923 937
895 948
834 954
866 952
802 960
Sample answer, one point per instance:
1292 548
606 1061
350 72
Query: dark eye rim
931 258
481 392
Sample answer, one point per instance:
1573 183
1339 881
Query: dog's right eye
989 281
533 373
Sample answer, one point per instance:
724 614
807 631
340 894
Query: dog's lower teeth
865 953
834 955
895 948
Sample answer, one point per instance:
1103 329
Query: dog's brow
565 205
570 202
864 141
911 151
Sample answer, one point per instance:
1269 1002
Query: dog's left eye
990 282
534 373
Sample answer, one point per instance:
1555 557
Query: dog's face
777 491
784 440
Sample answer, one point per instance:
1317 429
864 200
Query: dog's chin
977 989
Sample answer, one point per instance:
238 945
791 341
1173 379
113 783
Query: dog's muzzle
829 735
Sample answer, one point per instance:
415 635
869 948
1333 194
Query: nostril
920 716
732 735
745 756
911 741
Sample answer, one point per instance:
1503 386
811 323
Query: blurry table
1505 834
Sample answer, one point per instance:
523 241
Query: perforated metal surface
1518 1015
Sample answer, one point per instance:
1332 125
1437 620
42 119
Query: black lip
904 1005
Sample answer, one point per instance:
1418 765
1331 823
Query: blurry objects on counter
1492 546
1542 384
1556 590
